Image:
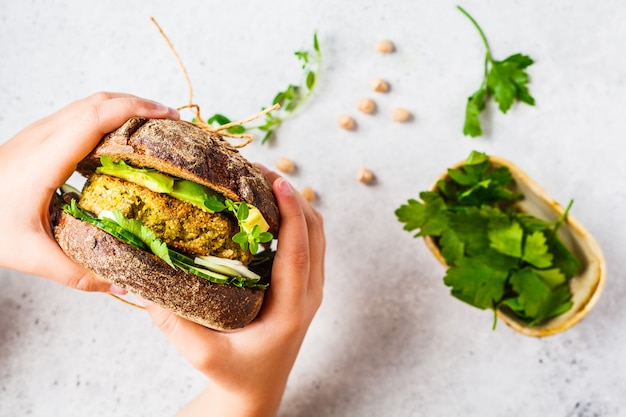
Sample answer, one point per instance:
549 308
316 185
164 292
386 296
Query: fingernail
171 112
284 188
114 289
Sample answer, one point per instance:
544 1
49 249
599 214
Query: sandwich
175 215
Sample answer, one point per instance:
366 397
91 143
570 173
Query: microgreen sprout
247 237
291 99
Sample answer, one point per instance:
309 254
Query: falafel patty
179 224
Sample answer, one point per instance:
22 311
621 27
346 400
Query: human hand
36 162
248 369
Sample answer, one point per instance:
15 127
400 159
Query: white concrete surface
389 340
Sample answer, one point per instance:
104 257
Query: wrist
215 401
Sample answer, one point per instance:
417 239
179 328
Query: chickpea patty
181 225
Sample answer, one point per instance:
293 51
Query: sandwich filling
187 225
180 225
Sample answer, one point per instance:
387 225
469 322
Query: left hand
36 162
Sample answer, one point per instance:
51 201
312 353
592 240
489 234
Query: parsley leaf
476 282
533 291
431 217
452 246
537 300
536 251
475 105
553 277
505 80
506 238
498 257
468 224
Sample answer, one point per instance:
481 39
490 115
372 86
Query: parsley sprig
505 80
498 256
291 99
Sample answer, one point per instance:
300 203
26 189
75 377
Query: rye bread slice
184 150
217 306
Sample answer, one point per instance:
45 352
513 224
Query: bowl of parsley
508 246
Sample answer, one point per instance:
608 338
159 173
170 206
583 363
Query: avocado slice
149 178
184 190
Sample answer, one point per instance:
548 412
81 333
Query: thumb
165 320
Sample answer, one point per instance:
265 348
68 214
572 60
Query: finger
315 229
67 113
290 272
188 337
317 250
40 130
89 125
315 226
317 245
99 117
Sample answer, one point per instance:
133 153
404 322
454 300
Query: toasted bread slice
217 306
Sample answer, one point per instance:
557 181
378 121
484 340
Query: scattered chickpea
366 105
285 165
346 122
365 175
309 194
379 85
401 115
384 46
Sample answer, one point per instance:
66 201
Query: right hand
249 368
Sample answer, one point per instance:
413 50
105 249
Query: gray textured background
389 340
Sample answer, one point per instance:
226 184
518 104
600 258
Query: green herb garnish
291 99
250 234
504 80
498 256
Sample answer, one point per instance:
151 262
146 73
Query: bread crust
217 306
184 150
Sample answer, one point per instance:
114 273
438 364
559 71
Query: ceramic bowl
586 287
